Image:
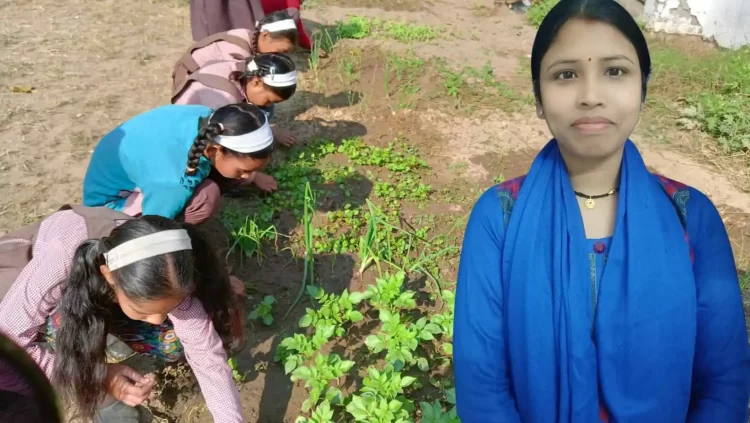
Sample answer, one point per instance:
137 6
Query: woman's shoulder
65 228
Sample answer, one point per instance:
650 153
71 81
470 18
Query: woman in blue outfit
592 290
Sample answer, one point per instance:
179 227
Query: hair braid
254 43
206 135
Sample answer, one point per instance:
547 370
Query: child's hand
238 287
283 137
127 385
265 183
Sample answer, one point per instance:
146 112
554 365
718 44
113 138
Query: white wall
721 20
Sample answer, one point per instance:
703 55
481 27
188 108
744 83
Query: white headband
146 247
279 26
275 79
251 142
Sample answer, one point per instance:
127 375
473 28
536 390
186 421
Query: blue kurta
485 385
148 152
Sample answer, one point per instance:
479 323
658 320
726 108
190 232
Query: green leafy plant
370 409
263 311
298 348
387 383
322 414
355 27
388 294
317 377
334 310
401 339
432 412
248 238
236 374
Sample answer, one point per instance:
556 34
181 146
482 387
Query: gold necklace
590 203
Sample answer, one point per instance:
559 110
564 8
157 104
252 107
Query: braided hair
269 63
288 34
230 120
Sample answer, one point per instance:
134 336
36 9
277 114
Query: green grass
408 33
358 27
536 13
714 88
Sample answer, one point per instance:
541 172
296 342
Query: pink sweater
37 291
223 50
197 93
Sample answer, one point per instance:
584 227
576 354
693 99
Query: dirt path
94 64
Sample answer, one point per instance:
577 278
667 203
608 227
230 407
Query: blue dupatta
628 348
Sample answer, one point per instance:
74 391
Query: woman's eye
615 72
565 75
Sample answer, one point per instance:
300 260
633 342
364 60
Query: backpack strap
187 65
212 81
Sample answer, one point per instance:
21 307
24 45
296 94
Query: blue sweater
148 152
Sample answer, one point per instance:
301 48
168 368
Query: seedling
263 311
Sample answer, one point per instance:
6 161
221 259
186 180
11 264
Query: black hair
87 303
269 63
289 34
607 11
39 403
231 120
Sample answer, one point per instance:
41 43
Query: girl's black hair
607 11
289 34
87 305
269 63
231 120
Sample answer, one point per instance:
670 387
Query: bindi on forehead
589 59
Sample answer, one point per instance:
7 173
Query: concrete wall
721 20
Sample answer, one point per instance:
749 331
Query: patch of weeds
408 33
538 11
401 77
470 87
718 87
356 27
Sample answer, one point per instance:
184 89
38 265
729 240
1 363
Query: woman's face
268 44
590 83
231 166
259 95
152 311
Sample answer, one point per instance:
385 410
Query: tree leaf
268 320
423 364
269 299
